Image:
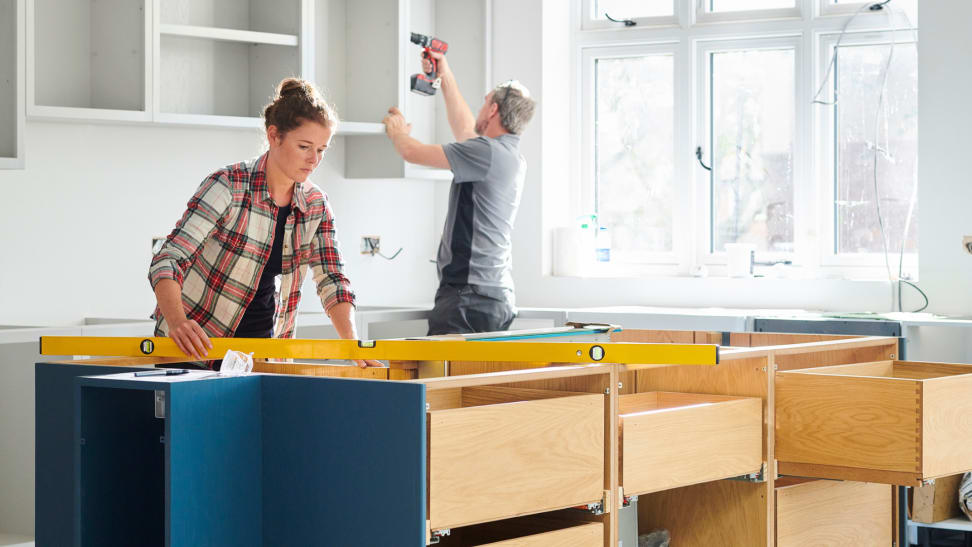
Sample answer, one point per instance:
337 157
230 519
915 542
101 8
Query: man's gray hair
515 105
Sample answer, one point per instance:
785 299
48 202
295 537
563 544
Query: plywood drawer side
502 460
834 513
695 443
847 421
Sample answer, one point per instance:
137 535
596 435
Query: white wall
944 190
70 254
78 221
534 26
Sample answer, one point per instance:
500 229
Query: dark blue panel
54 392
121 497
861 327
344 462
215 458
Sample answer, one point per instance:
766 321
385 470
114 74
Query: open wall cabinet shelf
215 63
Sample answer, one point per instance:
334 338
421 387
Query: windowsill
607 270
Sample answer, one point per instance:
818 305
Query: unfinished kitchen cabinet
893 422
839 513
499 452
12 84
693 438
233 53
373 52
88 59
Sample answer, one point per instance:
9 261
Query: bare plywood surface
846 421
675 439
498 461
946 425
851 514
723 513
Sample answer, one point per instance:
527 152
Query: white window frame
801 195
701 14
651 263
691 209
825 160
590 22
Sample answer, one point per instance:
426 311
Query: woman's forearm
342 317
168 294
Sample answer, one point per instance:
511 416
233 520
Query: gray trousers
471 308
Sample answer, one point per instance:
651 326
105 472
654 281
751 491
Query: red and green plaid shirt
218 249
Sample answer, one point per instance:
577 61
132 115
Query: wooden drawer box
531 531
668 440
497 452
834 513
895 422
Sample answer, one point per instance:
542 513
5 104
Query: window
870 129
634 156
777 169
634 9
748 5
645 13
751 113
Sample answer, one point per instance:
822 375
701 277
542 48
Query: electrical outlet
370 245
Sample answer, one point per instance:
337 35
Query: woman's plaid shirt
218 250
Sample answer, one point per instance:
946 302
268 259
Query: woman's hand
366 363
191 339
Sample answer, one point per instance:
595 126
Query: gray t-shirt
476 246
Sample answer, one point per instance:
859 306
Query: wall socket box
370 245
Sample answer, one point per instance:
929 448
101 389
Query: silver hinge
927 482
759 476
626 500
159 403
437 535
596 508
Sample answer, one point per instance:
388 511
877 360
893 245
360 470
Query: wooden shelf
229 35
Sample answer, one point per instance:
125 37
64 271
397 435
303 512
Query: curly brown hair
295 102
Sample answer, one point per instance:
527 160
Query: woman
234 264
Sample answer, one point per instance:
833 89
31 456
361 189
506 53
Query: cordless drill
426 83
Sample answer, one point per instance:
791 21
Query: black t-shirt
257 321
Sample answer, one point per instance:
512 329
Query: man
475 254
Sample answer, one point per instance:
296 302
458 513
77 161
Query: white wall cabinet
86 59
217 62
463 24
12 39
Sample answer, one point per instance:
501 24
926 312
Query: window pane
752 141
633 9
634 152
746 5
860 72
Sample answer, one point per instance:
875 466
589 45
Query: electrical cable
876 149
392 257
833 58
